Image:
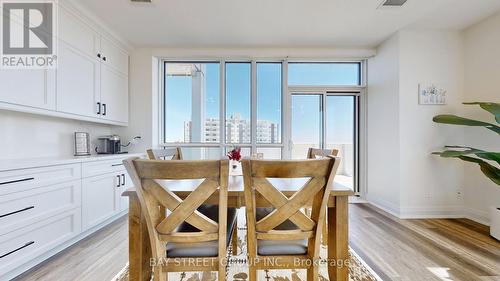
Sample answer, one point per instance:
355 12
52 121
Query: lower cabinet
99 200
44 207
101 197
22 245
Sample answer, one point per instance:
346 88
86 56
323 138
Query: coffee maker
109 145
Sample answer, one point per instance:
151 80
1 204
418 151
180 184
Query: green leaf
457 120
492 156
493 173
491 107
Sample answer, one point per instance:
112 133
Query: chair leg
222 272
159 274
234 240
324 240
252 270
312 273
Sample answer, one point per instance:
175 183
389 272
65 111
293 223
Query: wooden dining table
337 214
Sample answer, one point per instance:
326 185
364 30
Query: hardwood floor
98 257
430 249
416 250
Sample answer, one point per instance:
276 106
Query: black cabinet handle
99 55
18 211
98 108
123 179
15 181
119 181
114 165
18 249
103 109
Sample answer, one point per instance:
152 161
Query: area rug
237 269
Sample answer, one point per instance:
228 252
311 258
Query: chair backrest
154 197
316 190
314 153
172 153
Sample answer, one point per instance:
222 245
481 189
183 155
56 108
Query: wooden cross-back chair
186 233
314 153
172 153
284 233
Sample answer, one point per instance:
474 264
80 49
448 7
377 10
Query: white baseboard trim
441 212
477 216
386 206
36 261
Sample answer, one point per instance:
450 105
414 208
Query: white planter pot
495 222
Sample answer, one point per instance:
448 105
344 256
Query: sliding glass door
327 120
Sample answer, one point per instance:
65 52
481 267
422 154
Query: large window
191 99
324 74
211 106
238 103
269 92
251 95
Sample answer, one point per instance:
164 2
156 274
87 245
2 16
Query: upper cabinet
30 88
90 82
114 56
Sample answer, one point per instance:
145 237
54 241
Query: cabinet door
77 34
77 82
114 56
125 184
99 199
114 94
28 87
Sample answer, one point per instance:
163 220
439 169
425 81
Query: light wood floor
416 250
98 257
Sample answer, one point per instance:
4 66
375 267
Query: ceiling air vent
141 1
393 3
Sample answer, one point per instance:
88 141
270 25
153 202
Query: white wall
25 135
403 177
482 83
430 186
383 127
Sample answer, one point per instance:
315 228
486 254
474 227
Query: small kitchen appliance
109 145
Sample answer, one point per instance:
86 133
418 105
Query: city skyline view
179 102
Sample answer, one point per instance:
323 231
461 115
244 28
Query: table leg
338 241
139 248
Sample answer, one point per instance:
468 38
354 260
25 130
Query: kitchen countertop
25 163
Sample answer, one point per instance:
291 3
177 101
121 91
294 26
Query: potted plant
235 157
487 161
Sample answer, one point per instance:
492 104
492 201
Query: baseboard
384 205
38 260
440 212
477 216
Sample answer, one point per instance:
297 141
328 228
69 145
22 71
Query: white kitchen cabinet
90 82
99 199
114 94
30 87
77 82
114 56
22 245
126 184
77 33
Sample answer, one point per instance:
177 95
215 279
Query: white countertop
24 163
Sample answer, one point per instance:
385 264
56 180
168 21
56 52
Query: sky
305 109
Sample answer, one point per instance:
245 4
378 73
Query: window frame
285 129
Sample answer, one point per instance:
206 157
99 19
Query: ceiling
279 23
